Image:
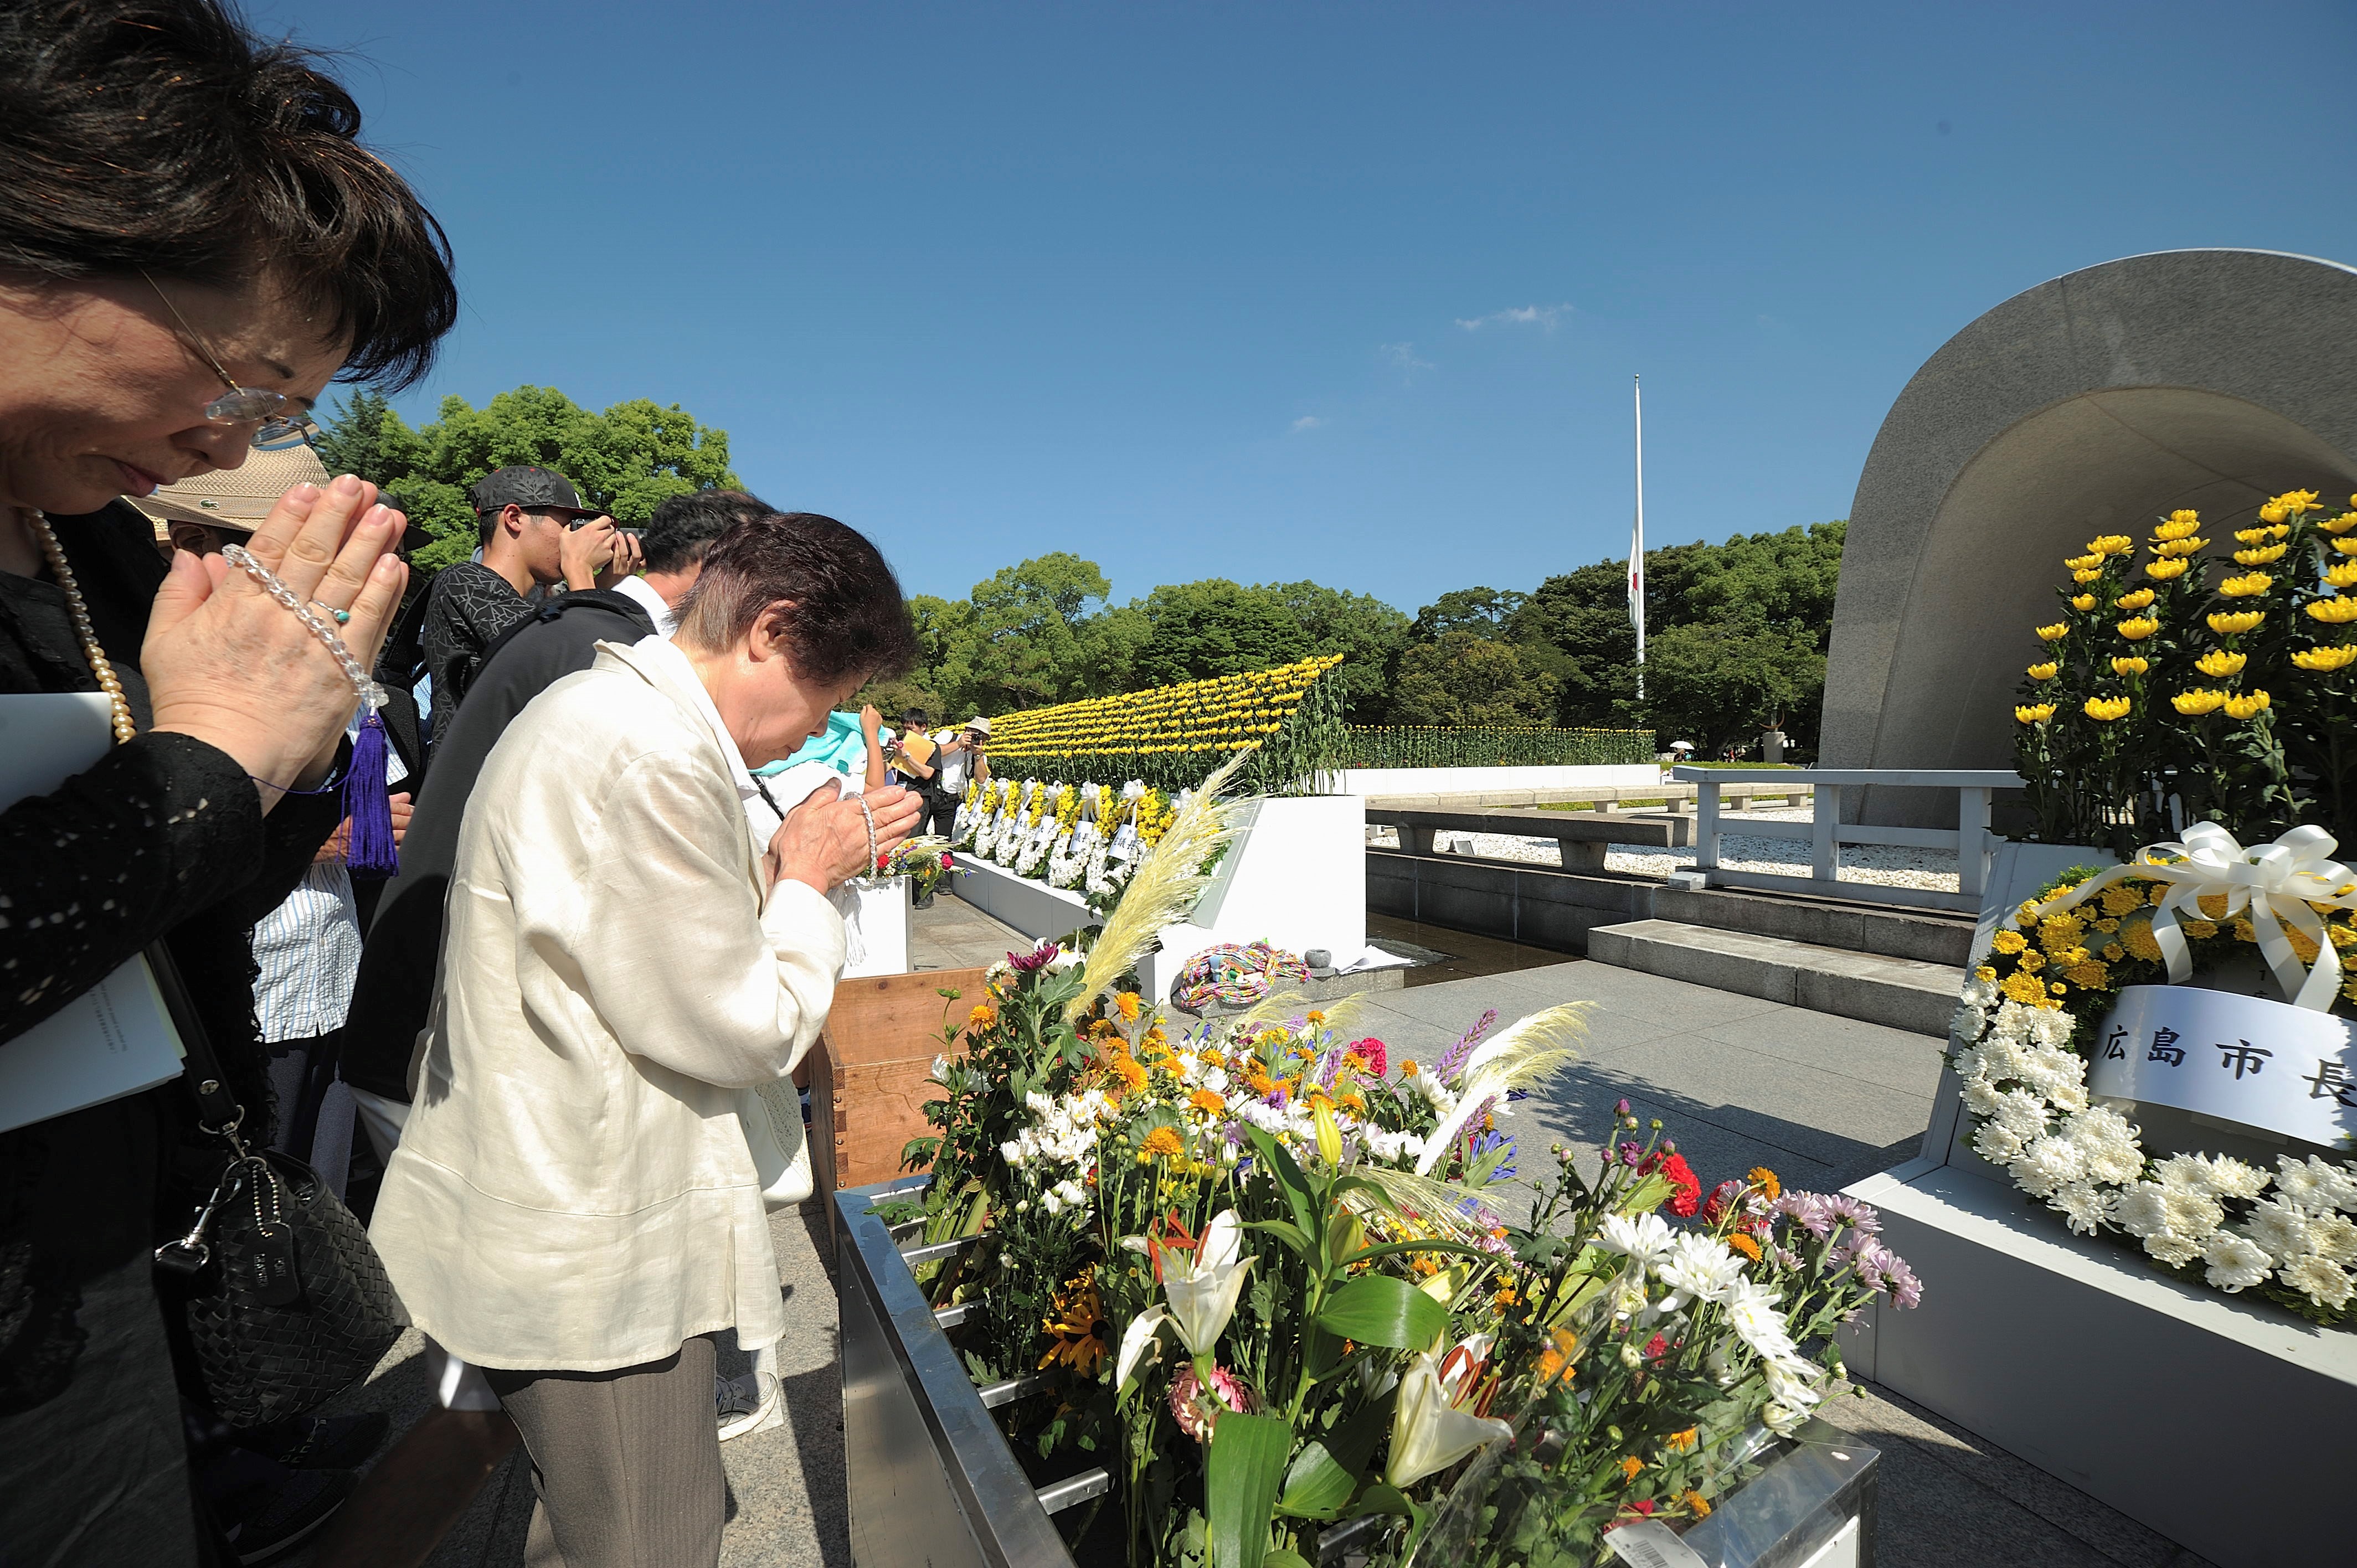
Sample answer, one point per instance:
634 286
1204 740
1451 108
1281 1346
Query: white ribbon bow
2274 883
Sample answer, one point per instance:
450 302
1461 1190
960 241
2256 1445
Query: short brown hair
843 613
160 136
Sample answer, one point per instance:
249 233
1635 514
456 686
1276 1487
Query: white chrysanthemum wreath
2025 1031
1068 862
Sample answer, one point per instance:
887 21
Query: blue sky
1351 292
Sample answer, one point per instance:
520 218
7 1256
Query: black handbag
285 1303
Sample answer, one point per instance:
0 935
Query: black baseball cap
523 485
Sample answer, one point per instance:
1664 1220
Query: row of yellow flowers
2174 542
1227 712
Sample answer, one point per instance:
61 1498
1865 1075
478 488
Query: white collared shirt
652 602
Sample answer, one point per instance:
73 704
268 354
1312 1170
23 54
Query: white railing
1827 832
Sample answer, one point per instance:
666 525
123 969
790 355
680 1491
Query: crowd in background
490 913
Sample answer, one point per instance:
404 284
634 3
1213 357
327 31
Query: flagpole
1637 540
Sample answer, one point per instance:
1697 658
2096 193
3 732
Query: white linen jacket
573 1191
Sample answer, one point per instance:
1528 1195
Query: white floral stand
2219 1421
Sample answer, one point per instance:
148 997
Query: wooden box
868 1072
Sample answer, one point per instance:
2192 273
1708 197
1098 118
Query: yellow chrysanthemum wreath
2026 1034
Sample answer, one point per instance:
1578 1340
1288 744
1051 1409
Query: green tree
1213 627
1368 633
626 460
1028 647
1716 685
1484 612
1462 679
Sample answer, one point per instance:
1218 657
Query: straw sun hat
239 497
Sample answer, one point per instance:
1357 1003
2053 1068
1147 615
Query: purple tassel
365 803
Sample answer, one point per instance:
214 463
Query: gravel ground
1888 864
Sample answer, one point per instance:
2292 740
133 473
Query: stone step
1927 936
1900 993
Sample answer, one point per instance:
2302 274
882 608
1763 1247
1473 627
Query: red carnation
1686 1193
1377 1058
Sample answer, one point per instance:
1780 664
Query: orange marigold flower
1744 1244
1694 1501
1765 1180
1407 1068
1630 1467
1126 1004
1555 1362
1353 1104
1163 1143
983 1016
1205 1101
1681 1442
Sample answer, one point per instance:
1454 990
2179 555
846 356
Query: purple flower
1867 1259
1454 1062
1630 1154
1809 1211
1621 1109
1843 1207
1906 1290
1032 961
1786 1259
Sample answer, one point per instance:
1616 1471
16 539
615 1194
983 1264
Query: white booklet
117 1038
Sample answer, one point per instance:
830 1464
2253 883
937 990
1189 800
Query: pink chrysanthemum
1198 1412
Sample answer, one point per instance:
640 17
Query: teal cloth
840 745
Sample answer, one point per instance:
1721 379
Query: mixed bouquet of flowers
925 860
2162 696
1277 1281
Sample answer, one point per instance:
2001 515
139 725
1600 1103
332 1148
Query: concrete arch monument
2089 404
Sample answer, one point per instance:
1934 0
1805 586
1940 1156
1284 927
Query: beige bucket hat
237 498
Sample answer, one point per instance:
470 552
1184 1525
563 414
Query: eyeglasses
281 418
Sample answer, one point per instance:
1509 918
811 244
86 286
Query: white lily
1143 1333
1203 1294
1431 1432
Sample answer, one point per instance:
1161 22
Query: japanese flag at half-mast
1637 537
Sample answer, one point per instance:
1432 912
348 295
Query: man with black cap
537 534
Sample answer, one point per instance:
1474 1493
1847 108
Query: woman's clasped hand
824 842
228 664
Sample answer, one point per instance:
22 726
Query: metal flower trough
934 1484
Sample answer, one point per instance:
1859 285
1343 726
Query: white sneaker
750 1403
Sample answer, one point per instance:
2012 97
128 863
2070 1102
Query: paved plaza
1740 1081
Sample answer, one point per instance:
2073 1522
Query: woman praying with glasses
192 246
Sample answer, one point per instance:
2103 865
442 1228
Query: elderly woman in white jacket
573 1207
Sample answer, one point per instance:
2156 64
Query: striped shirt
309 947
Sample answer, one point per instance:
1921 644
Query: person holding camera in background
537 534
953 766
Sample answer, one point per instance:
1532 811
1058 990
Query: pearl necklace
100 665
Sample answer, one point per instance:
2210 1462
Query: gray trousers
626 1465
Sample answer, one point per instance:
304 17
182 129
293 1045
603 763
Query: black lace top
165 837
